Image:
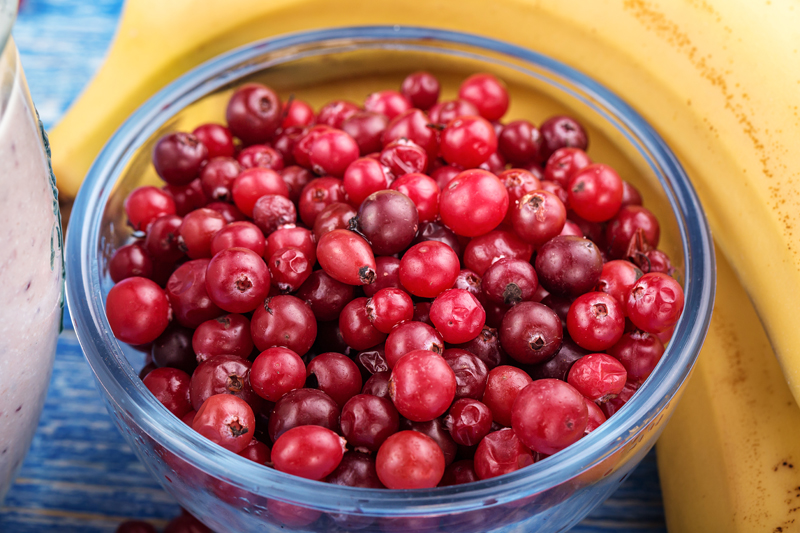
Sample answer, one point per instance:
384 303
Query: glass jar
31 263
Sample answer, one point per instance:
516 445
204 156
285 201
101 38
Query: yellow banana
729 459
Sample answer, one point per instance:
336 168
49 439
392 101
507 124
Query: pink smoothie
30 269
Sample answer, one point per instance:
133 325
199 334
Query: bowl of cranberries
389 279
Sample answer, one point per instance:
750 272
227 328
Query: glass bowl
230 493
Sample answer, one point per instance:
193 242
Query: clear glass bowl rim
125 390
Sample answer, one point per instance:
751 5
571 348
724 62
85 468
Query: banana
729 459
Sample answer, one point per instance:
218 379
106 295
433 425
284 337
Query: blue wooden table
80 476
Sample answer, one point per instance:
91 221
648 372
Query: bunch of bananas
720 81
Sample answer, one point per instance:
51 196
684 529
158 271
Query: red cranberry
423 191
237 280
254 183
468 281
295 178
655 261
310 452
410 460
655 302
502 387
469 421
367 421
197 230
277 371
617 279
178 157
366 128
239 235
331 153
303 407
421 89
487 93
468 141
129 261
422 385
444 175
531 333
258 452
409 337
459 473
598 377
223 374
316 196
254 113
428 268
501 452
413 125
564 164
346 257
326 296
289 268
485 250
471 373
629 223
457 315
357 329
260 155
228 334
596 321
137 310
549 415
145 204
436 430
334 113
336 375
595 192
509 281
538 217
356 470
170 386
596 417
216 138
292 237
388 102
186 290
284 321
445 112
162 242
226 420
560 132
388 308
297 113
630 194
217 177
615 404
639 353
403 157
569 266
362 178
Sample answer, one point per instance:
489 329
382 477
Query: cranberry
436 430
336 375
549 415
129 261
297 113
571 229
173 349
617 279
628 224
161 241
223 374
403 157
564 163
367 421
284 321
357 329
316 196
558 367
421 89
237 280
509 281
411 336
178 157
388 308
388 102
226 420
485 250
170 386
197 230
326 296
445 112
630 194
186 290
557 190
596 417
413 125
254 183
260 155
468 281
366 128
444 175
334 113
187 198
258 452
596 321
331 152
422 385
145 204
135 526
216 178
486 346
655 261
372 360
598 377
469 421
501 452
310 452
346 257
471 373
518 182
292 237
560 132
521 143
378 385
295 178
615 404
303 407
329 338
502 386
538 217
388 220
458 315
531 333
277 371
239 235
356 470
639 353
468 141
254 113
495 164
362 178
137 310
228 334
655 302
422 313
569 266
435 231
459 473
410 460
595 192
289 268
487 93
229 212
428 268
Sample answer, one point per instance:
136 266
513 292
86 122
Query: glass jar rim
119 379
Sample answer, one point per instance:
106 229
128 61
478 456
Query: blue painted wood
80 476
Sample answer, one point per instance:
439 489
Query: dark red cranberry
631 222
135 526
435 231
501 452
336 375
569 266
170 386
411 336
129 261
372 360
564 163
187 198
639 353
366 128
162 242
387 275
367 421
254 113
422 313
260 155
145 204
531 333
615 404
197 230
596 417
486 346
444 112
326 296
468 281
560 132
229 212
389 221
458 473
228 334
421 89
316 196
444 175
509 281
437 431
284 142
173 349
558 367
258 452
485 250
471 373
186 523
468 421
178 157
296 178
356 470
502 387
520 142
186 290
378 385
630 194
223 374
284 321
303 407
